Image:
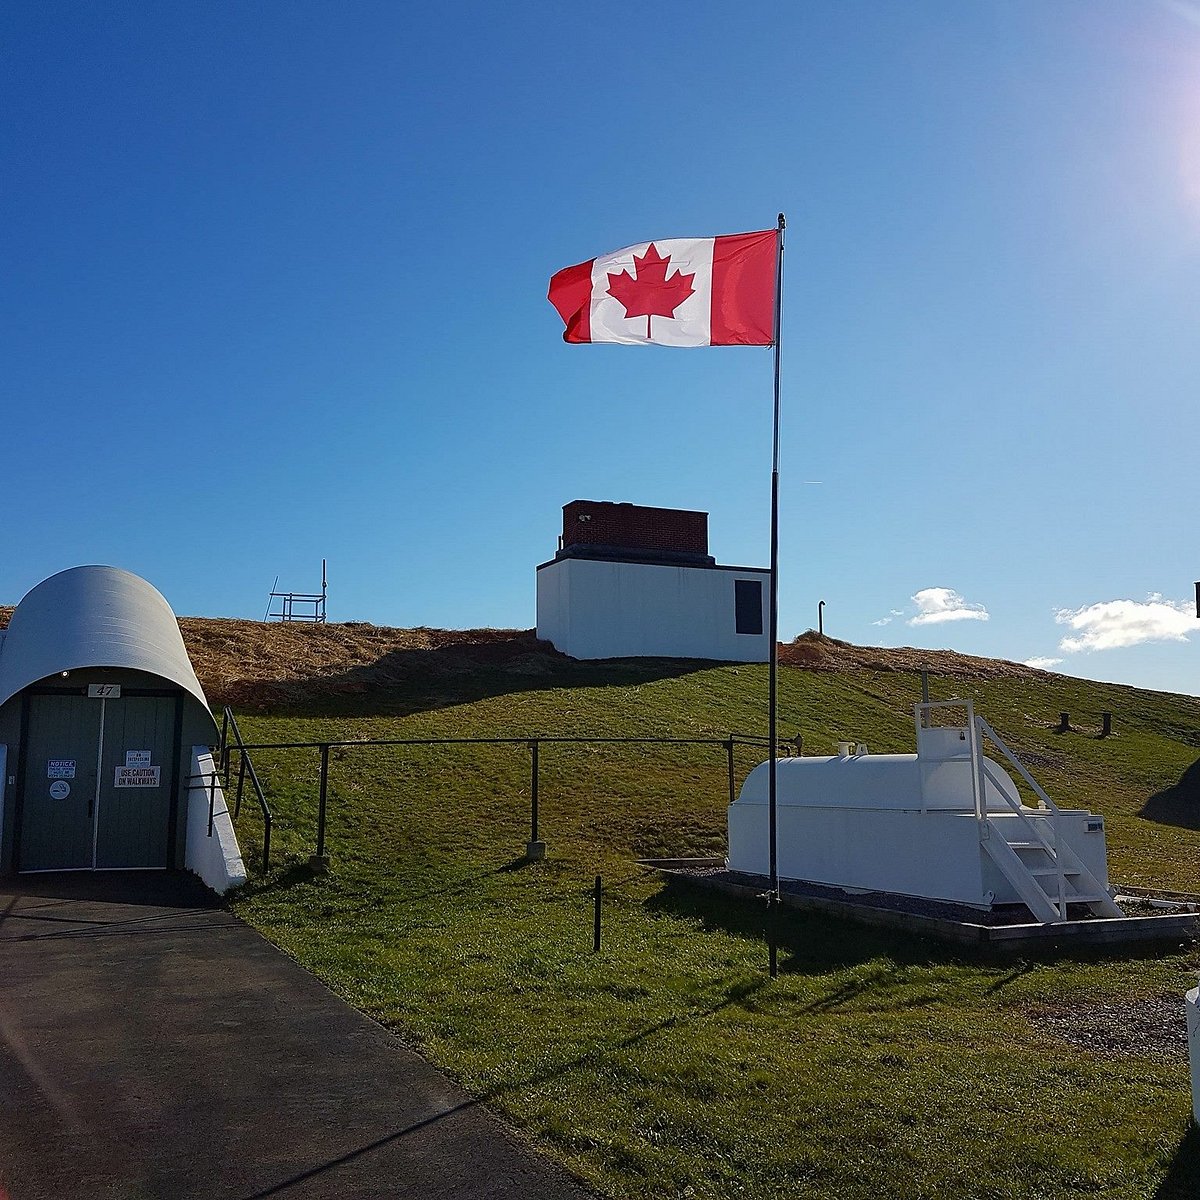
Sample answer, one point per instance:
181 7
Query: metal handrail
1028 823
1064 853
1052 810
525 740
212 777
245 767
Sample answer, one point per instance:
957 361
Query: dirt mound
255 663
816 652
259 664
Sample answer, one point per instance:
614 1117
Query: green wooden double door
98 780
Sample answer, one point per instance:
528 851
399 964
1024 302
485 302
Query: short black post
596 920
1064 722
212 800
729 766
320 861
535 848
225 744
1105 724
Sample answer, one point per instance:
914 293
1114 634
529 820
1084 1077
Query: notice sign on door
136 777
60 768
137 758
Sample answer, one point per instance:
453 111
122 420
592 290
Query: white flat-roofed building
631 581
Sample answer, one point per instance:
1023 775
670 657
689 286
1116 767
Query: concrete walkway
152 1045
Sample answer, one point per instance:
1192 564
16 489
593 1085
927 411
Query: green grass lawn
669 1064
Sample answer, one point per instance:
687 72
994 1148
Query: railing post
977 781
225 743
535 848
212 799
320 861
237 808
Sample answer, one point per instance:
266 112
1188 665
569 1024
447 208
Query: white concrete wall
934 854
590 608
217 859
1191 1002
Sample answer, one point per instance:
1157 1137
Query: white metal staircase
1029 846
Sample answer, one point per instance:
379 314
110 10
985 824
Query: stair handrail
245 767
1050 848
1000 745
985 730
1063 854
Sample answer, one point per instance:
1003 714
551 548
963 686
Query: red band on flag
571 293
743 289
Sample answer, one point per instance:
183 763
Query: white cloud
936 605
889 618
1042 662
1111 624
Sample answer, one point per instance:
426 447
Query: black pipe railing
246 764
210 779
245 768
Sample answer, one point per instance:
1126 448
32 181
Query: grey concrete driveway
152 1045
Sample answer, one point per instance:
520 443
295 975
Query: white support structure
1191 1003
212 846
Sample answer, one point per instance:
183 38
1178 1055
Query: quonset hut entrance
99 711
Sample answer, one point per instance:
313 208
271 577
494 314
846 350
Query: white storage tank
938 824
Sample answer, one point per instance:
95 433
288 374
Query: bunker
946 823
104 731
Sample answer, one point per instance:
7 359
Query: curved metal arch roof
94 617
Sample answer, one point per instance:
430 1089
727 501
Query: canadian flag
717 291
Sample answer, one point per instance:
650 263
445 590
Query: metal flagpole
773 895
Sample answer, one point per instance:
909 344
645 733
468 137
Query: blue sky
275 275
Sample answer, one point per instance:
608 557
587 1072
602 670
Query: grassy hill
668 1064
298 682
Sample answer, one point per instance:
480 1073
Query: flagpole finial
782 221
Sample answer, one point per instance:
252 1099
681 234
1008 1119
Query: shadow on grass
1182 1181
1179 804
303 873
406 681
812 942
808 942
737 994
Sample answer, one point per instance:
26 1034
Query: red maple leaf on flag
650 293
